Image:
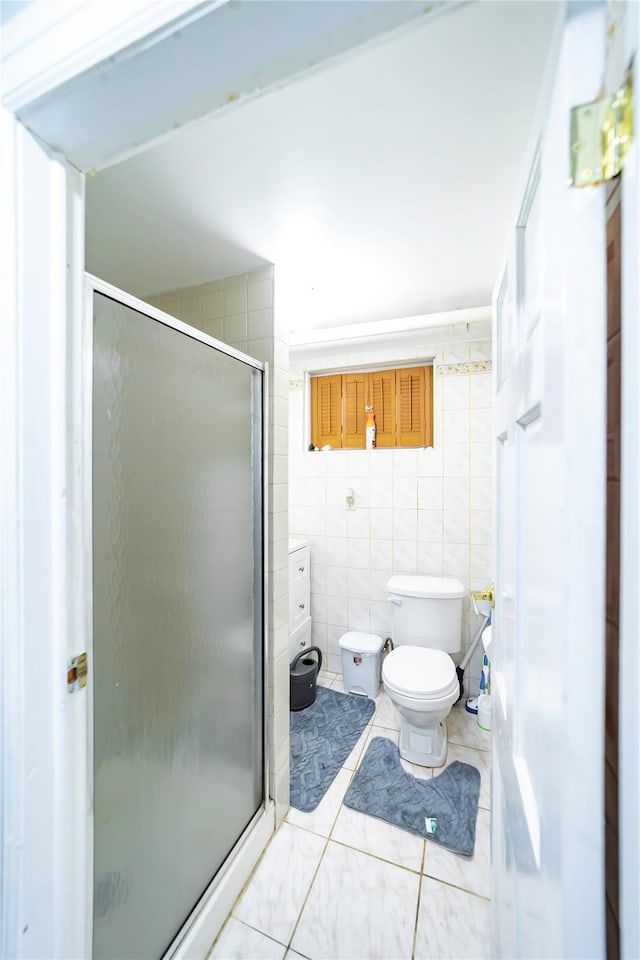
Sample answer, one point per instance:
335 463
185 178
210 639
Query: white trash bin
361 655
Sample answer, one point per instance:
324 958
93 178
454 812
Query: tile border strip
455 369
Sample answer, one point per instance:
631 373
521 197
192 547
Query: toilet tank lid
432 587
361 642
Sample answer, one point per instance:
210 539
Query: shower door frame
201 925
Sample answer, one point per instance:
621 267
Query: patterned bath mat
322 737
443 809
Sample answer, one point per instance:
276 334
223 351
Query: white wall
423 511
239 310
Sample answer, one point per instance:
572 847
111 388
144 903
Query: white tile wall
239 310
425 511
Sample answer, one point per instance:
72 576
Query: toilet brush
465 660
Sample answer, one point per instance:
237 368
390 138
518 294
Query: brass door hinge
77 673
601 134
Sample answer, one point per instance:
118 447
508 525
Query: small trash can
361 655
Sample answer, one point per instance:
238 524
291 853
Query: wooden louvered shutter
410 399
354 417
428 406
382 397
325 411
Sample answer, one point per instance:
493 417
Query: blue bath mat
443 809
322 737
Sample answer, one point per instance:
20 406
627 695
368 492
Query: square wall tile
337 579
380 619
336 465
456 460
481 563
481 527
380 554
336 522
260 295
481 459
481 493
456 493
481 425
336 551
430 462
405 492
430 559
359 582
212 306
234 300
456 426
337 611
213 328
381 492
456 395
358 552
405 557
358 523
456 561
430 525
405 463
405 525
481 390
456 526
381 526
358 463
358 615
382 463
430 493
235 328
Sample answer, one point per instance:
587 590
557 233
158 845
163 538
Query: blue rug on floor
322 737
443 809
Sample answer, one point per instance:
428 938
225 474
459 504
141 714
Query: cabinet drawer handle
300 569
301 606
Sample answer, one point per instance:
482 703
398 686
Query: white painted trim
48 44
629 715
11 705
388 329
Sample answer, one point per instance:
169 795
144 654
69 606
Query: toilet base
426 746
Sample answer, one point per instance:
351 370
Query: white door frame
41 273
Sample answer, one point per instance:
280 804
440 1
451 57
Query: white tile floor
336 883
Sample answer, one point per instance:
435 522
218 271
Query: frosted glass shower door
177 622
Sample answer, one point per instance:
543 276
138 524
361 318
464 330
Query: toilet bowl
419 675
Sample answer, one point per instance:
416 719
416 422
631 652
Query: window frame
365 369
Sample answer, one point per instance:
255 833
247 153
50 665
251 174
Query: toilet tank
426 612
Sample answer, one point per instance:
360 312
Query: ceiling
381 186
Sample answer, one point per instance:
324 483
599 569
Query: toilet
419 675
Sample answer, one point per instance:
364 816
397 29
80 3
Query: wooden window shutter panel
382 397
325 411
428 412
354 418
410 399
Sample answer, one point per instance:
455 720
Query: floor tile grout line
306 897
415 928
375 856
244 923
455 886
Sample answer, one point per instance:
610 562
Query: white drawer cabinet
299 596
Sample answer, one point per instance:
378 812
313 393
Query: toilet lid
418 672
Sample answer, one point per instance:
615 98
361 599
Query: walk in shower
178 628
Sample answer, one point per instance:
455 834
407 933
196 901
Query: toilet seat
420 673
